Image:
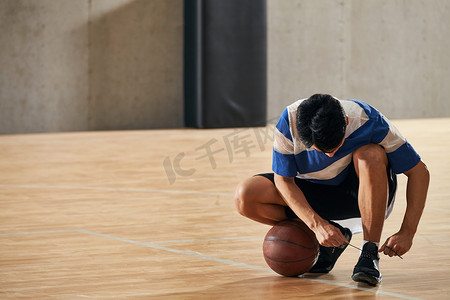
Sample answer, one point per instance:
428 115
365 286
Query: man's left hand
397 244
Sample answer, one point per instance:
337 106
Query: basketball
290 248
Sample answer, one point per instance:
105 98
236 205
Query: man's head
321 123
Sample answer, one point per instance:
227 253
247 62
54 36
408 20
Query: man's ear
346 119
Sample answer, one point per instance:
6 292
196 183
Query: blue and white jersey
291 158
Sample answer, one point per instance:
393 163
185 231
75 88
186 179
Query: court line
93 188
233 263
262 238
384 293
206 240
36 232
150 245
107 189
229 262
190 240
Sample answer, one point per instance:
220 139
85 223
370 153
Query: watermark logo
242 141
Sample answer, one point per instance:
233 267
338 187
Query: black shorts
333 202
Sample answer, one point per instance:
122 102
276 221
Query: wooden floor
149 214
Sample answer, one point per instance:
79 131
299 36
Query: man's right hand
329 235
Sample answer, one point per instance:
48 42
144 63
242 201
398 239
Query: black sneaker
367 269
329 255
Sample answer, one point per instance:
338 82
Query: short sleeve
283 162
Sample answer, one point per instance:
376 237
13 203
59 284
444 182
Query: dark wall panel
225 63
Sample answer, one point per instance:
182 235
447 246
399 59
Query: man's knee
254 192
370 156
242 197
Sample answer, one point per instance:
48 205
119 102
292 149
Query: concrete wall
392 54
399 56
43 66
305 51
136 64
90 65
118 64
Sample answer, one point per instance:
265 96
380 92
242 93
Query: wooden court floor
150 214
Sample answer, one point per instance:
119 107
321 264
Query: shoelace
384 246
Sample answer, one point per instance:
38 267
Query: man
336 160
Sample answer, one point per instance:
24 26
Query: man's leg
258 199
370 165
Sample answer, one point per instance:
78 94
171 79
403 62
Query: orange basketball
290 248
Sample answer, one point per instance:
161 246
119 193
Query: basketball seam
302 229
272 239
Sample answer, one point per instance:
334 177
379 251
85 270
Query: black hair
321 122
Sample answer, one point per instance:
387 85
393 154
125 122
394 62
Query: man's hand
397 244
416 193
329 235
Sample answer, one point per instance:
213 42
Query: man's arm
416 193
327 234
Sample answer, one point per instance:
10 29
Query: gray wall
392 54
71 65
117 64
136 64
43 66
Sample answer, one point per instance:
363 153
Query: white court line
230 262
206 240
201 256
150 245
107 189
36 232
93 188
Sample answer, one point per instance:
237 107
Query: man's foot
329 255
367 269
